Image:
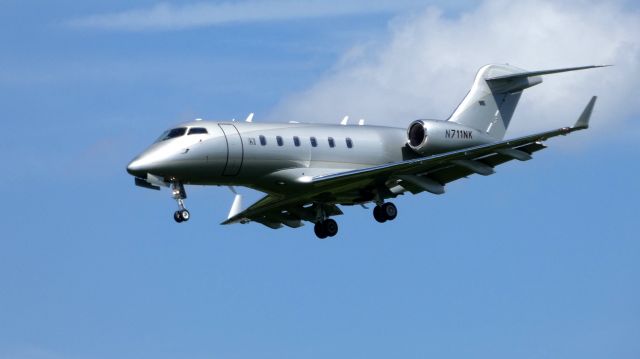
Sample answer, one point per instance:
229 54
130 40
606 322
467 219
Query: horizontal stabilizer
520 75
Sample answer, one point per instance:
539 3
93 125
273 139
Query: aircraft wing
275 210
416 175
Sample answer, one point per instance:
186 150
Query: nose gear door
235 149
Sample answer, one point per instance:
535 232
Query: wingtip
583 120
228 221
594 66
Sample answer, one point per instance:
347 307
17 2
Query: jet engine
428 137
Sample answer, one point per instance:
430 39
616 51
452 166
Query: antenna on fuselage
249 118
344 121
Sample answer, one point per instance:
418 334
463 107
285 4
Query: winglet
583 120
236 206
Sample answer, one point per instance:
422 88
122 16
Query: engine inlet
417 134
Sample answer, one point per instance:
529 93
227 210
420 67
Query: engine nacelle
428 137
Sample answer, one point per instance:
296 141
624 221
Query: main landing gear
179 194
326 228
385 212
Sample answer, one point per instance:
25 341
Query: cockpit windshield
173 133
197 131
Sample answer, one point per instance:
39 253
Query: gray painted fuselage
237 157
231 153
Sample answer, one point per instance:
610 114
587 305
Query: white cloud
427 64
165 16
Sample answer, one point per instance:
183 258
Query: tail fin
492 100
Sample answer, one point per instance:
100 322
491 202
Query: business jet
308 170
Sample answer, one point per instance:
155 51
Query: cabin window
296 141
349 143
332 143
197 131
279 140
314 142
263 140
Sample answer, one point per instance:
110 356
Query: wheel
177 217
330 227
185 215
390 211
319 230
378 214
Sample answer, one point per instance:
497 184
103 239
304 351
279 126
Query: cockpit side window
173 133
197 131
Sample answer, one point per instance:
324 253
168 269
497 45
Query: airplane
308 170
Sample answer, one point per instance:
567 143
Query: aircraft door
235 149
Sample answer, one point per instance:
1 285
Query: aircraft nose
155 160
137 168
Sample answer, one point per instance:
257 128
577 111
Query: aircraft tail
492 100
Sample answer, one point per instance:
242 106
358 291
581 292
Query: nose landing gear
179 194
181 215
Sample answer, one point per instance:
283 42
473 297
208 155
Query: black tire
185 215
379 215
390 211
319 230
330 227
177 217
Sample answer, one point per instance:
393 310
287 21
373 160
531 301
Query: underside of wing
275 211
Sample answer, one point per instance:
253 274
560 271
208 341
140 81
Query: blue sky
539 260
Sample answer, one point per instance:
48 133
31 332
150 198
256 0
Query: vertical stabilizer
489 105
491 102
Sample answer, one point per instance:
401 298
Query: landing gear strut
179 194
385 212
326 228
